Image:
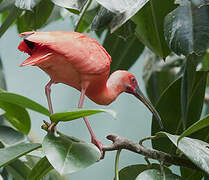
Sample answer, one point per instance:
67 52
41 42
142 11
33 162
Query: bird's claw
99 145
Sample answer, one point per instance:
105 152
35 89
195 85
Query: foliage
174 31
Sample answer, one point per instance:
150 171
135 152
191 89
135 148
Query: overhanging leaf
26 4
154 174
41 168
149 21
23 102
187 29
69 116
71 4
68 155
12 153
199 154
14 13
5 5
32 20
9 136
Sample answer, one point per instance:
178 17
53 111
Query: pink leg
94 139
48 96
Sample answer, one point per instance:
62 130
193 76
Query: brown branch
123 143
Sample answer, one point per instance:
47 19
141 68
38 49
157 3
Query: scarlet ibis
79 61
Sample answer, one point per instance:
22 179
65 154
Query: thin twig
117 164
123 143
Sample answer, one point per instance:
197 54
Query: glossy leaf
187 85
132 171
32 20
18 169
14 13
23 102
69 116
149 21
154 174
9 136
17 116
190 174
199 154
26 4
187 29
9 154
169 108
70 4
195 127
41 168
130 50
122 9
69 155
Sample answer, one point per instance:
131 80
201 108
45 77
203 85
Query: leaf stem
85 7
117 164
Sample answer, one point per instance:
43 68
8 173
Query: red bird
79 61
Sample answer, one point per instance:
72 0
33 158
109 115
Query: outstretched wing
84 53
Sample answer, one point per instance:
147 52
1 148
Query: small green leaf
68 155
194 149
41 168
17 116
131 172
195 127
9 136
69 116
23 102
154 174
9 154
18 169
14 13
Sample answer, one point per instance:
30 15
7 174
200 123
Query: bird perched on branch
81 62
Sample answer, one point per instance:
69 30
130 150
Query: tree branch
123 143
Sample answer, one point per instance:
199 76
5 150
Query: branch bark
123 143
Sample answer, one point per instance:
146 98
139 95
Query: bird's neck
109 92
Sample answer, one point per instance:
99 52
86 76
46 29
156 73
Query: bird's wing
82 51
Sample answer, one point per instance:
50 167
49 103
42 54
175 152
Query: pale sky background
133 118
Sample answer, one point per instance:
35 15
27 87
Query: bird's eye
133 80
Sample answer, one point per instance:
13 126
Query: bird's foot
99 144
52 127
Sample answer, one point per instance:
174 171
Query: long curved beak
142 98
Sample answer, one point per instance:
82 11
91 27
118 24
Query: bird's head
128 83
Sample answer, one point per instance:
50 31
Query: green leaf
154 174
132 171
169 108
123 10
195 127
2 77
17 116
187 85
199 154
6 5
9 136
14 13
187 29
11 153
130 50
190 174
68 155
41 168
23 102
18 170
70 4
69 116
149 21
32 20
26 4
